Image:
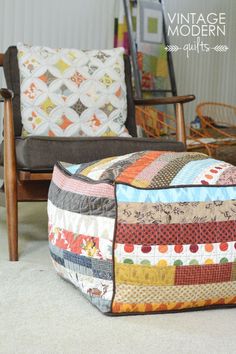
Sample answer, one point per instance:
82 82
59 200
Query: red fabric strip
173 234
203 274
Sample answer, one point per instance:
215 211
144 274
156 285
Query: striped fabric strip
178 255
81 203
127 293
57 259
72 168
78 268
188 174
228 176
77 259
149 172
165 175
96 166
56 250
176 213
233 274
77 186
144 275
171 306
175 234
116 168
96 247
95 170
212 177
88 284
94 226
125 193
171 275
130 173
203 274
85 265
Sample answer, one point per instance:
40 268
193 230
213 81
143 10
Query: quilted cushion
69 92
146 232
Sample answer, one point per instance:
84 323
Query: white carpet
42 314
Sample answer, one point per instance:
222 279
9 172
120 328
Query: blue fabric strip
72 169
57 259
103 304
96 267
192 170
77 259
125 193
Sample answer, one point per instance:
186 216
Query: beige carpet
42 314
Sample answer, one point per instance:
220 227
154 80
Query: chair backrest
12 76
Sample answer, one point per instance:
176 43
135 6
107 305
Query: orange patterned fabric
173 306
130 173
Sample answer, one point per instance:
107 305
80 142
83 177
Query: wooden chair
27 178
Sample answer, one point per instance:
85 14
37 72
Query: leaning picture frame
151 22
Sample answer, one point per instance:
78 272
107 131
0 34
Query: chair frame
21 186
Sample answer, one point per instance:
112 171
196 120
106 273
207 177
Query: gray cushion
41 153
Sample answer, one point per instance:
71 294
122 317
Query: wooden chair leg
10 180
12 219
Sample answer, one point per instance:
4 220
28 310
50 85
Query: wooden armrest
6 94
163 100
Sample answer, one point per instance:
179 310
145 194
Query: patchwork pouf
146 232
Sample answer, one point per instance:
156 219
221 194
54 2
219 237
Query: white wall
210 76
89 24
83 24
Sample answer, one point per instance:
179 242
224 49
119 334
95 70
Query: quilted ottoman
146 232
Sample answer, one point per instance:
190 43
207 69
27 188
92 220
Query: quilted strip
195 171
233 274
167 234
176 213
144 275
80 187
171 275
129 174
228 176
171 306
165 175
94 226
98 291
126 193
127 293
81 203
96 170
80 244
177 254
113 171
202 274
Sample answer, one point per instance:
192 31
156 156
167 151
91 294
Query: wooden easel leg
180 125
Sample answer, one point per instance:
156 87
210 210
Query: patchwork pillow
70 92
151 231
